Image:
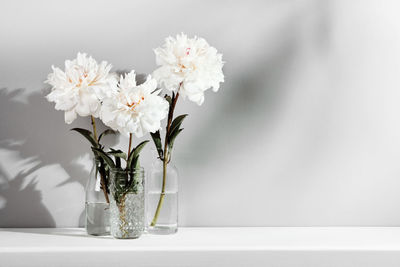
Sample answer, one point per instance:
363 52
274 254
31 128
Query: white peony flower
192 64
80 89
134 108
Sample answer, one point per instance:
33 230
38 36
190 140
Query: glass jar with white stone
127 203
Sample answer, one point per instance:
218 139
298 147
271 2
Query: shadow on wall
39 135
24 207
253 98
246 117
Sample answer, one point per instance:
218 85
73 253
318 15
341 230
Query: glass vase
127 203
97 205
162 199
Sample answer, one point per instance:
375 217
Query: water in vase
167 221
97 218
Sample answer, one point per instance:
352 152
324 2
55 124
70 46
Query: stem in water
165 160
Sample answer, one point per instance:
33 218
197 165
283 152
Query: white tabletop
255 246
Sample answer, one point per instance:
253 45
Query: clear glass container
96 204
162 201
127 204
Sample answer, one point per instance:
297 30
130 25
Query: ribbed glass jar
127 203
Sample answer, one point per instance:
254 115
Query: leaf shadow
24 207
31 128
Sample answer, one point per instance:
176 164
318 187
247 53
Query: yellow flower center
133 105
85 74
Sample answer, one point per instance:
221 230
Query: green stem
103 181
94 129
162 195
130 145
165 160
123 225
129 153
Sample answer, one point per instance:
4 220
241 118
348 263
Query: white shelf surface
244 246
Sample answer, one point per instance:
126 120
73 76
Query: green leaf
106 132
117 153
157 142
135 165
109 162
87 134
139 148
117 162
176 123
172 138
135 152
168 98
120 186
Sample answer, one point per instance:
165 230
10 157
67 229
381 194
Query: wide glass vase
97 206
127 203
162 199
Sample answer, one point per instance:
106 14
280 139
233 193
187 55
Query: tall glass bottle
162 199
97 206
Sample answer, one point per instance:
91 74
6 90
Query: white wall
305 130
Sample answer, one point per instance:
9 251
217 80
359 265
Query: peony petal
69 116
188 61
81 86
